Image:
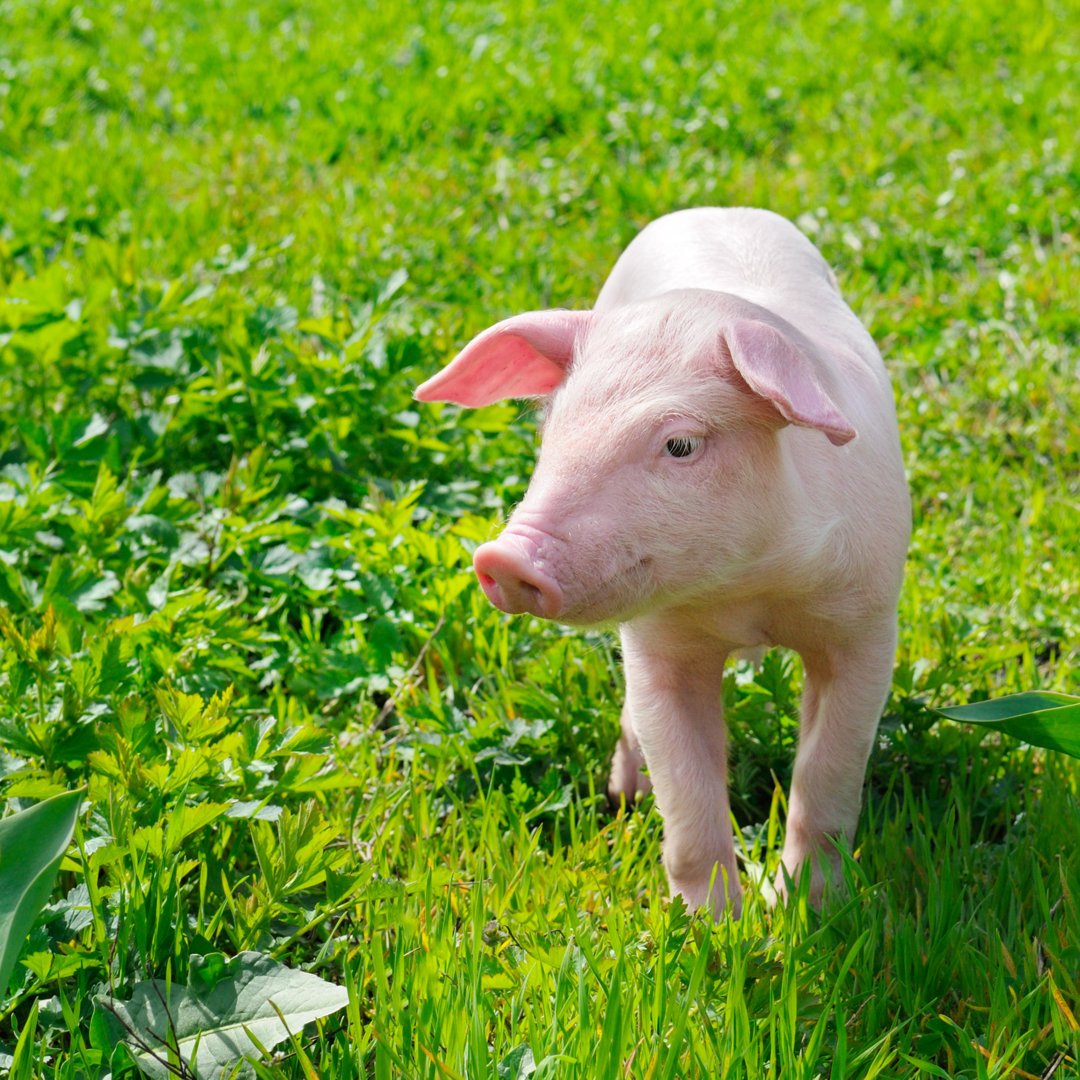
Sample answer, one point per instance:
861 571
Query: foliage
235 596
229 1008
1041 719
32 844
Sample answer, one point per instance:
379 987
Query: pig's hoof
826 881
629 787
629 780
718 896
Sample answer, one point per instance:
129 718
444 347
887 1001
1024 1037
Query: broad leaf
518 1064
32 843
229 1009
1041 718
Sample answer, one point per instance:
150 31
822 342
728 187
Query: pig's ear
525 356
781 373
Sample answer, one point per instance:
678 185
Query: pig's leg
673 705
628 778
844 694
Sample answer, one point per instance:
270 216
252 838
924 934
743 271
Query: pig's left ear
780 372
524 356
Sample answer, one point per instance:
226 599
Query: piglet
720 471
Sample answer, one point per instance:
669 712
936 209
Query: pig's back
751 253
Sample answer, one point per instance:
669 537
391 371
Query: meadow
236 601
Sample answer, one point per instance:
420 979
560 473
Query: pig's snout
511 579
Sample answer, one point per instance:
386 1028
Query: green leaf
32 843
229 1010
519 1064
1041 718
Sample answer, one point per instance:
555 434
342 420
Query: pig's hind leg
628 780
845 691
673 707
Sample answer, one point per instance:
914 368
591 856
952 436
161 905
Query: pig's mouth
615 599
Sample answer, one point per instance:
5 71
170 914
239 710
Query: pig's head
660 478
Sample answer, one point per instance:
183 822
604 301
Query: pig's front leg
674 709
844 693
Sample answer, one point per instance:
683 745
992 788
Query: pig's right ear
524 356
779 371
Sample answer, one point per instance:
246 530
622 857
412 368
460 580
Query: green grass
235 594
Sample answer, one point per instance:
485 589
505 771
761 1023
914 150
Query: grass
235 592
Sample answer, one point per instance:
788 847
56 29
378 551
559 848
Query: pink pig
720 470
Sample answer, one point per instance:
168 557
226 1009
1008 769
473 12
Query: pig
719 473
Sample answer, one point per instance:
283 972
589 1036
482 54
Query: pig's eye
682 445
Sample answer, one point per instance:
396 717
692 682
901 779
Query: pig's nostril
532 597
513 594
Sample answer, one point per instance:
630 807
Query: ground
234 555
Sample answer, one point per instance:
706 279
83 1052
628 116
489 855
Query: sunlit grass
235 595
